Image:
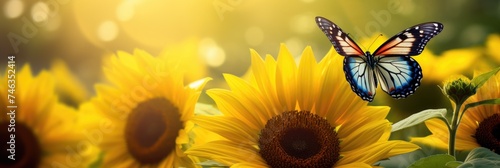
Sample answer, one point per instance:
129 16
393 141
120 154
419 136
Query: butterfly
390 65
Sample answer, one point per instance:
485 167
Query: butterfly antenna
355 39
374 41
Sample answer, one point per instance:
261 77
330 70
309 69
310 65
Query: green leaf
406 159
420 117
483 102
453 164
439 160
98 162
481 157
478 81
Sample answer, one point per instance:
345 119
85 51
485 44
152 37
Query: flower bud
458 88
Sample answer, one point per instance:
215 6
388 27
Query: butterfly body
390 65
370 60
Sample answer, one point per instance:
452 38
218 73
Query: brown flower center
299 139
488 133
19 142
151 130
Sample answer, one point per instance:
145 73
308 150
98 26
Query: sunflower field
249 83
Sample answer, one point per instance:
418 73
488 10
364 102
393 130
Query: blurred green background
82 32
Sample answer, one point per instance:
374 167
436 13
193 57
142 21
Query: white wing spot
409 35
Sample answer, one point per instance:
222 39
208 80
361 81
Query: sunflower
69 89
192 50
37 130
289 115
437 68
198 136
146 109
479 127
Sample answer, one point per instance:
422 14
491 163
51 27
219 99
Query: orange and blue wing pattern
398 76
342 43
391 65
361 77
410 41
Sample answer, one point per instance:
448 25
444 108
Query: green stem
453 130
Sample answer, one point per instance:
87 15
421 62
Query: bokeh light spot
125 10
107 31
254 36
214 55
168 22
13 8
40 12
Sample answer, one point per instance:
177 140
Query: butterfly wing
410 41
358 73
398 76
342 43
361 77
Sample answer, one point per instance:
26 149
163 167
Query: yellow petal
363 136
227 152
263 80
286 86
366 116
431 141
356 164
229 128
401 147
374 152
438 129
233 107
306 80
246 93
68 87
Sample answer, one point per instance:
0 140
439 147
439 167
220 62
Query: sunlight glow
40 12
13 8
214 55
107 31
